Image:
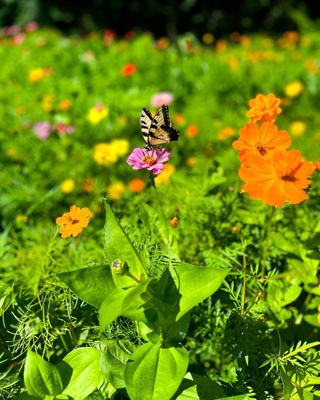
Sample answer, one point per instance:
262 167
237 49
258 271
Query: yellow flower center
148 159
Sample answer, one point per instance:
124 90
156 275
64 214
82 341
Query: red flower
128 69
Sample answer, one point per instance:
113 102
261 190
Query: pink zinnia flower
162 98
64 129
153 160
31 26
42 130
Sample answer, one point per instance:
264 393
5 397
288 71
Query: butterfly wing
161 130
146 120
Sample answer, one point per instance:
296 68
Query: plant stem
244 284
266 240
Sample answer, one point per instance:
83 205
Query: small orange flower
88 185
278 180
128 69
64 105
136 185
225 133
264 108
192 130
72 223
260 141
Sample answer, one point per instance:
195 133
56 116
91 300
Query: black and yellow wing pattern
157 130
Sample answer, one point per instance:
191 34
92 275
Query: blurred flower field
247 326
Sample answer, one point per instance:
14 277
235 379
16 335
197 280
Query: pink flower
31 26
162 98
63 129
11 30
42 130
153 160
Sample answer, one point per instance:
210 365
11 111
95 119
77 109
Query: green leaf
6 297
198 387
91 284
281 293
81 367
40 377
113 363
124 302
196 284
155 373
119 247
163 303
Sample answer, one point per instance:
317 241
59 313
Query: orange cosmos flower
72 223
260 141
278 180
264 108
192 130
128 69
136 185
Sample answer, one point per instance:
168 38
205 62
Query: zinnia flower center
149 159
262 151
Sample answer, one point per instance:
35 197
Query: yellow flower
297 128
293 89
21 218
20 110
36 74
192 162
120 147
67 186
97 113
105 154
122 120
47 102
116 190
233 63
165 175
208 38
11 152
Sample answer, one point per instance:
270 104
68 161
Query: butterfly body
157 130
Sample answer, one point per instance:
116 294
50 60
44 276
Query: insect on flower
157 130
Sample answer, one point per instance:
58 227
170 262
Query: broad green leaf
82 369
163 303
119 247
91 284
198 387
124 302
196 284
40 377
281 293
155 373
113 362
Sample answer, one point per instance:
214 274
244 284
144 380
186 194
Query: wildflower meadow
160 221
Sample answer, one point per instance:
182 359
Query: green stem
266 240
244 284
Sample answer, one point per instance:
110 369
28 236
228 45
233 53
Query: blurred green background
162 18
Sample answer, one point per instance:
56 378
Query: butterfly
158 129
